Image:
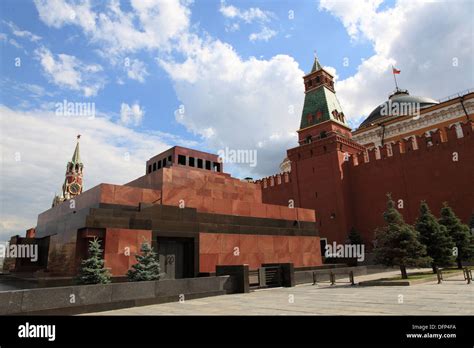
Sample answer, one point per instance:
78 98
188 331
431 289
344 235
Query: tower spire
316 65
76 158
73 184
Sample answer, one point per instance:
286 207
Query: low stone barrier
239 274
306 276
92 298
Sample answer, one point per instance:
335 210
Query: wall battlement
274 180
448 135
416 145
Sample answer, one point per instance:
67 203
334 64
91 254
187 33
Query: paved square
449 298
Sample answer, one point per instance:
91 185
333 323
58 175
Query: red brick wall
102 193
30 233
278 193
356 194
327 126
318 183
428 173
218 193
218 248
117 240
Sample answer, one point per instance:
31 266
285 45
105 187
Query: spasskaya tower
73 183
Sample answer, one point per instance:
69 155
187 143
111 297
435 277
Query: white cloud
264 35
248 16
131 114
150 25
239 103
13 42
158 22
435 56
137 70
32 166
22 33
232 27
251 15
69 72
56 13
355 18
36 90
22 90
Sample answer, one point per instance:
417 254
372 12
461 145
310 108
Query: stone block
47 298
10 302
240 273
132 290
93 294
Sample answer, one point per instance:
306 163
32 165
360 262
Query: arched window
377 153
414 143
459 132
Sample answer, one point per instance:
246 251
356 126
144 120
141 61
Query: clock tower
73 183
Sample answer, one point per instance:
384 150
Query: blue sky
297 37
233 68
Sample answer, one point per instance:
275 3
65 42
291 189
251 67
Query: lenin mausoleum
197 216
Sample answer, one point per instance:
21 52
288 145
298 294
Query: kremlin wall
350 190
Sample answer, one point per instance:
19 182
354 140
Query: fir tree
471 224
92 270
354 237
435 237
147 266
459 233
397 243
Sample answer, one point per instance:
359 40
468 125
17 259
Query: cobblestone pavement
453 297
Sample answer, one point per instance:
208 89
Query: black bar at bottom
291 330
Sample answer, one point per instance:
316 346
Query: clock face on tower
75 188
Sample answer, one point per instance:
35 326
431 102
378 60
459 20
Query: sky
207 74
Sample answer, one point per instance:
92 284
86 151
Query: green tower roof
320 101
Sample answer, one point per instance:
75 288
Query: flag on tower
395 71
